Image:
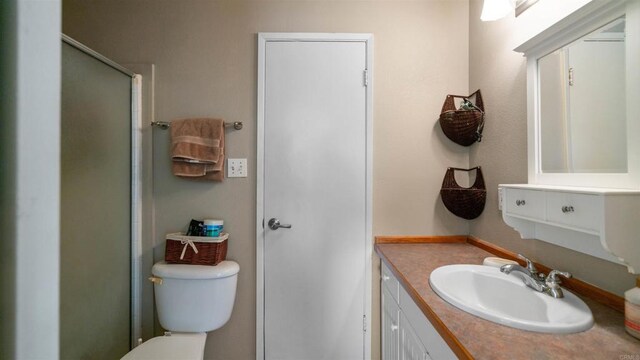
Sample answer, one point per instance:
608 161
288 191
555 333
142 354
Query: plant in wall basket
463 125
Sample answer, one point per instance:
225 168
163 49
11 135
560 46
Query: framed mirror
583 105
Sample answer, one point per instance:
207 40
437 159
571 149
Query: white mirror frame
590 17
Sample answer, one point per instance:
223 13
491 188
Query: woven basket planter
464 127
467 203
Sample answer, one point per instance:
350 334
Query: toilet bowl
170 347
191 300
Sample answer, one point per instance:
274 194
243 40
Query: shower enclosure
99 211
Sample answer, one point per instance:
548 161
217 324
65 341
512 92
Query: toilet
191 300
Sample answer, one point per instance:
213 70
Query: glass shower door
95 288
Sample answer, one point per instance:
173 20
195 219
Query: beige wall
205 58
501 74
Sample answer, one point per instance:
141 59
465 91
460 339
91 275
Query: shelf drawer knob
567 209
520 202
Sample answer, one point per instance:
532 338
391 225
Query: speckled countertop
483 339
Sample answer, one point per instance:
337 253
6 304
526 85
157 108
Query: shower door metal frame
136 185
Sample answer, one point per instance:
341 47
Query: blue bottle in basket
213 227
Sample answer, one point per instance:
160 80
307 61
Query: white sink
486 292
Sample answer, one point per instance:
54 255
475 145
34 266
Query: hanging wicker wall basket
464 125
467 203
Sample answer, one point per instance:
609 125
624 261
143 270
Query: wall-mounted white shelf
604 223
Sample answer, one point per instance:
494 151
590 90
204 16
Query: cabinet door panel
428 335
390 327
411 347
390 281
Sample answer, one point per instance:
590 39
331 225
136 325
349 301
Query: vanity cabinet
406 332
576 211
596 221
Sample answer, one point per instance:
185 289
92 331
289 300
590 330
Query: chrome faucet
525 275
536 280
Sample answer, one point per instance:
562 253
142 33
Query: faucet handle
552 283
552 278
532 269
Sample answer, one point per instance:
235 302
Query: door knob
274 224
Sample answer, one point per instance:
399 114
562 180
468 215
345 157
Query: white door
313 145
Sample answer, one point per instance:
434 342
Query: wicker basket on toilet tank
195 250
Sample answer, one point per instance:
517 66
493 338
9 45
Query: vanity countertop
472 337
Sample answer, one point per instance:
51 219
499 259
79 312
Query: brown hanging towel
197 149
467 203
464 125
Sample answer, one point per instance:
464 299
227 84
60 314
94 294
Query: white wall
30 184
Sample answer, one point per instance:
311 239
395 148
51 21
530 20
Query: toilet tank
194 298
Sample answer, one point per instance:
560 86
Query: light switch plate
236 168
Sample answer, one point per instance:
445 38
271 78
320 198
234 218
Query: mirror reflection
582 104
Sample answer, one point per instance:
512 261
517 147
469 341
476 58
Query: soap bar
497 262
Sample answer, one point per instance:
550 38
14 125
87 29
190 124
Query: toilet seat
183 346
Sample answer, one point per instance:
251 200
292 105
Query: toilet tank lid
195 272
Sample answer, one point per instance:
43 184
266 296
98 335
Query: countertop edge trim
451 340
591 291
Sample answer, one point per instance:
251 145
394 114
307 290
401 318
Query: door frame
263 39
